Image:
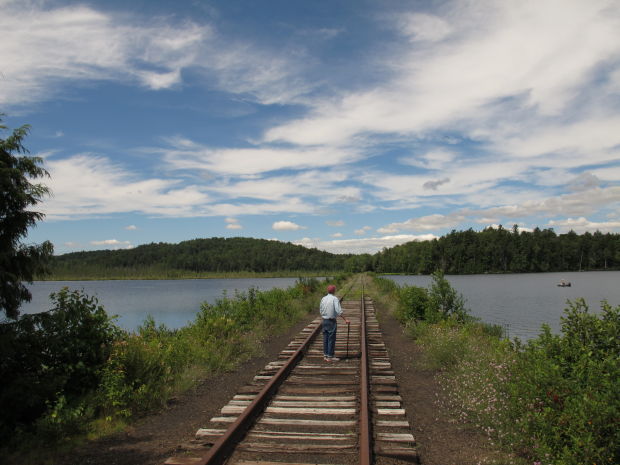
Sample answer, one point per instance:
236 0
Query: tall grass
141 370
552 401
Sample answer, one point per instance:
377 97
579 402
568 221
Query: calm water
173 303
520 302
523 302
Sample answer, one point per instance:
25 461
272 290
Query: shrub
570 382
50 360
412 304
444 301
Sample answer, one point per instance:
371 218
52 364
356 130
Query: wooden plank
392 423
396 437
317 398
308 422
260 462
387 403
300 436
387 397
182 460
311 411
405 453
292 448
208 432
318 404
223 419
391 411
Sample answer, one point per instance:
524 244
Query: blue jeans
329 337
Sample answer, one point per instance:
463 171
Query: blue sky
343 125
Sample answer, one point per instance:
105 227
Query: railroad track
302 410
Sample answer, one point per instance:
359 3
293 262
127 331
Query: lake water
523 302
171 302
519 302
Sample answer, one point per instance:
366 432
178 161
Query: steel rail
365 452
222 448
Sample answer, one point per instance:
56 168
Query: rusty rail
365 443
226 443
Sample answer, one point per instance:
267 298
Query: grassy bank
71 374
553 400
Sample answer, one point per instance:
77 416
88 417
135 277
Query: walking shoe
327 359
334 359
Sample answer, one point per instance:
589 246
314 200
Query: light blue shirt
330 306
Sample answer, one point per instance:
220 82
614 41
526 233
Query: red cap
331 289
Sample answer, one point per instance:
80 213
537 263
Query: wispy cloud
233 223
362 245
363 230
286 226
113 244
90 186
43 49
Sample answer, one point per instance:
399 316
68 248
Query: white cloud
113 244
335 224
581 225
286 226
184 154
362 245
363 230
44 47
89 186
578 203
233 223
423 27
337 235
424 223
437 159
131 227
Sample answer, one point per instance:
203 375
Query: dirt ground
153 439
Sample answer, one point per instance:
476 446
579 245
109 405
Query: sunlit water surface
523 302
519 302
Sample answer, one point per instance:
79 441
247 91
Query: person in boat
330 310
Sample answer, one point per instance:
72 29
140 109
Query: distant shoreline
180 276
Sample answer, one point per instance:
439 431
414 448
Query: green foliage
571 382
413 304
51 360
553 401
196 258
144 369
498 250
443 300
19 262
440 302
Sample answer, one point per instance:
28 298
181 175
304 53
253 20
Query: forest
492 250
499 250
194 258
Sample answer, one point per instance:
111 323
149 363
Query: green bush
571 383
444 301
145 368
553 401
413 303
51 360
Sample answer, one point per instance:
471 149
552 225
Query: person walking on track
330 310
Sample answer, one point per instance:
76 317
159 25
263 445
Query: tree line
217 255
498 250
493 250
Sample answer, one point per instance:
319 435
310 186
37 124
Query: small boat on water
564 283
